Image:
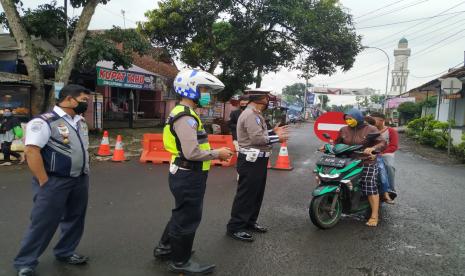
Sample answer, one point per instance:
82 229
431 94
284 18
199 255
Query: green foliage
260 36
116 44
409 111
46 21
459 150
324 100
362 101
294 93
429 132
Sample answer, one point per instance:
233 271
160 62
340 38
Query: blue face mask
7 114
204 99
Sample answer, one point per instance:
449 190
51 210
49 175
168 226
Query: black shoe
241 236
74 259
26 271
162 251
257 228
191 267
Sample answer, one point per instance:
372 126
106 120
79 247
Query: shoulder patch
37 126
258 120
192 123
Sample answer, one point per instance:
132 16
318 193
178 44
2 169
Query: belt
189 165
261 154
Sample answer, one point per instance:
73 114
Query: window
17 98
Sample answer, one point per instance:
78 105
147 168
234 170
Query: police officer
255 142
56 153
234 116
185 137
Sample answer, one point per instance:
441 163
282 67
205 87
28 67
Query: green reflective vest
171 141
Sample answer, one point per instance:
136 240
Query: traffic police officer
185 137
255 142
57 155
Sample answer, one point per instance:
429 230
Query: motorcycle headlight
329 176
348 183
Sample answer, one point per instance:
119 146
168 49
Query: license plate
328 160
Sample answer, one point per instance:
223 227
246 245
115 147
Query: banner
310 98
125 79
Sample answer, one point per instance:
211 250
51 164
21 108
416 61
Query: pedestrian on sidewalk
185 137
255 141
57 155
10 129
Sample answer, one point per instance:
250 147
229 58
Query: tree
22 29
409 110
259 35
377 99
324 100
362 101
295 93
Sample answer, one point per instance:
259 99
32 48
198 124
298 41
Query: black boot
181 257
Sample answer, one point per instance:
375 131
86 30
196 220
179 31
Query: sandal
372 222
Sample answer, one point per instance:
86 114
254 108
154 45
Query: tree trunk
74 46
259 77
27 52
213 65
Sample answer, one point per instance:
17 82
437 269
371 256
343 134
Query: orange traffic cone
118 154
283 162
104 149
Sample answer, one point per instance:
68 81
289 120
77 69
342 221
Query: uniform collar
254 109
58 110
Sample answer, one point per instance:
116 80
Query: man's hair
73 90
370 120
378 115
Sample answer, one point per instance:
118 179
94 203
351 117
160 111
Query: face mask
243 107
81 107
204 99
7 114
351 122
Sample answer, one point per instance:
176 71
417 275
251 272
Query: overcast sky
437 43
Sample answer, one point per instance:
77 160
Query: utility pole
123 12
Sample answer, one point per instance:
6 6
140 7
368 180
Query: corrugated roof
456 73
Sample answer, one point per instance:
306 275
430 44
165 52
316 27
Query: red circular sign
330 123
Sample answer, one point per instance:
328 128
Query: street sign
330 123
451 86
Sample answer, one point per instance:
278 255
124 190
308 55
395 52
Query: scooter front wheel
321 213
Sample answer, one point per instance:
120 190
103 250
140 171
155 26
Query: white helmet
187 83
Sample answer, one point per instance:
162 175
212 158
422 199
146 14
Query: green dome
403 40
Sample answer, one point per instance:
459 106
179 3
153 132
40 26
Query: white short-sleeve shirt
38 132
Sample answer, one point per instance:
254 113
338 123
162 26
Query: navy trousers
250 191
61 201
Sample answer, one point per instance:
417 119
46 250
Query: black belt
190 165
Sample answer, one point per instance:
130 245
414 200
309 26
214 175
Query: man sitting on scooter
355 133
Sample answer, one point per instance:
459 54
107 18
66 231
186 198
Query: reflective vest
172 143
66 152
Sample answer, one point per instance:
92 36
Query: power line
411 27
434 75
359 76
383 7
394 10
117 14
437 43
408 21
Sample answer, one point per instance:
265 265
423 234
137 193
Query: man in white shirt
57 155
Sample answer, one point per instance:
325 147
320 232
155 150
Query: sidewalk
132 140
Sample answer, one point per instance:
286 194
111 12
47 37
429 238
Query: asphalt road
423 234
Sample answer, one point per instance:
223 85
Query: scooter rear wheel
320 211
